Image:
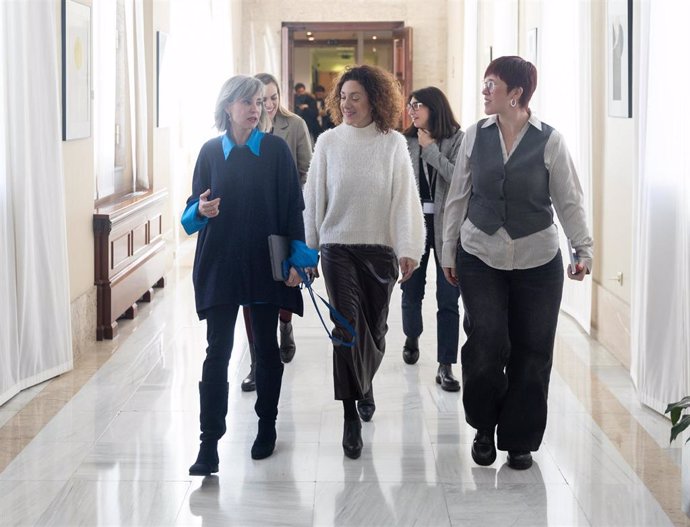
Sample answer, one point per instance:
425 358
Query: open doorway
314 53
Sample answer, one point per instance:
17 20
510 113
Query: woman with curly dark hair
363 213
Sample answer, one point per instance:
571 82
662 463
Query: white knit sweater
361 190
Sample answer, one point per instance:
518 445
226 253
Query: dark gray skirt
359 280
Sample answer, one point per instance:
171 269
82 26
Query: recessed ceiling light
374 37
309 33
310 38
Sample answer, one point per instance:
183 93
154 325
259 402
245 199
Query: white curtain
564 101
661 250
35 333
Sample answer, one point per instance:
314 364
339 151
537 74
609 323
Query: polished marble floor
118 451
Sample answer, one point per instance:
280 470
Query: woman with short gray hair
245 187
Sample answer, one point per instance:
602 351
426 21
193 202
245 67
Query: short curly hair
383 92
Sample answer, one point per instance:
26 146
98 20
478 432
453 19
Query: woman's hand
293 279
424 138
451 276
580 272
208 209
407 267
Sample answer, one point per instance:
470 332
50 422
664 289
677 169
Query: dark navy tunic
259 195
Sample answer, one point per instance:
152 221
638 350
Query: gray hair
234 89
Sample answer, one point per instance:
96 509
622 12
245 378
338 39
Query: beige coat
293 130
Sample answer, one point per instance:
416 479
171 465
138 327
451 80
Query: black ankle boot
446 379
207 461
249 382
287 342
411 350
213 402
366 407
352 438
265 441
484 448
519 459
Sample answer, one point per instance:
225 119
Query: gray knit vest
515 195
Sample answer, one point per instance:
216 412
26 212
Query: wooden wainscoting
129 256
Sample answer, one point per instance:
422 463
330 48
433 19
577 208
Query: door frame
288 30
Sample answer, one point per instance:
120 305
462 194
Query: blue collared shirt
253 142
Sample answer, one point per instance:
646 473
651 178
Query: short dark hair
516 72
383 92
300 85
442 123
318 87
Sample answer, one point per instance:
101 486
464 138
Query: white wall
428 18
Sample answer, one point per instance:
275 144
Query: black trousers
220 330
510 322
359 280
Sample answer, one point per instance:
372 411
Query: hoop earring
513 103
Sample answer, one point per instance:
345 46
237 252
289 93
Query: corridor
117 453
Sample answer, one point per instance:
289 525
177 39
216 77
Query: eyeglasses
489 86
413 106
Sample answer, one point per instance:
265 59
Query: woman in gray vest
433 140
500 244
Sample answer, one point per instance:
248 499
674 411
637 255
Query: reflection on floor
117 452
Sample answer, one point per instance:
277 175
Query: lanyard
429 175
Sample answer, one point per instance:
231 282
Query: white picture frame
619 57
76 70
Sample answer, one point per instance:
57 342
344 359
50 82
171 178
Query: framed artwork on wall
619 57
76 70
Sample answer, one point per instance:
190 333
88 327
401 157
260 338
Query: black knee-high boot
268 382
213 398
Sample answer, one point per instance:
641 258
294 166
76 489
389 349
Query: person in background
245 187
501 245
324 119
292 129
433 140
363 213
305 107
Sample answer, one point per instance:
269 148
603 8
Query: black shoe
484 448
366 407
249 382
352 438
446 379
287 342
411 350
519 459
207 461
265 441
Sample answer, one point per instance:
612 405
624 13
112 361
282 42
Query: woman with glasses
363 213
501 245
292 129
433 140
245 187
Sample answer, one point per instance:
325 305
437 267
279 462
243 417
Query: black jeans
510 322
447 316
220 330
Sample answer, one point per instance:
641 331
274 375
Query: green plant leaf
683 403
678 428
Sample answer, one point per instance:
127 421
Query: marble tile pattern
110 443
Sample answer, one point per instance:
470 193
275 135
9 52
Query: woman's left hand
293 280
424 138
407 267
580 272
